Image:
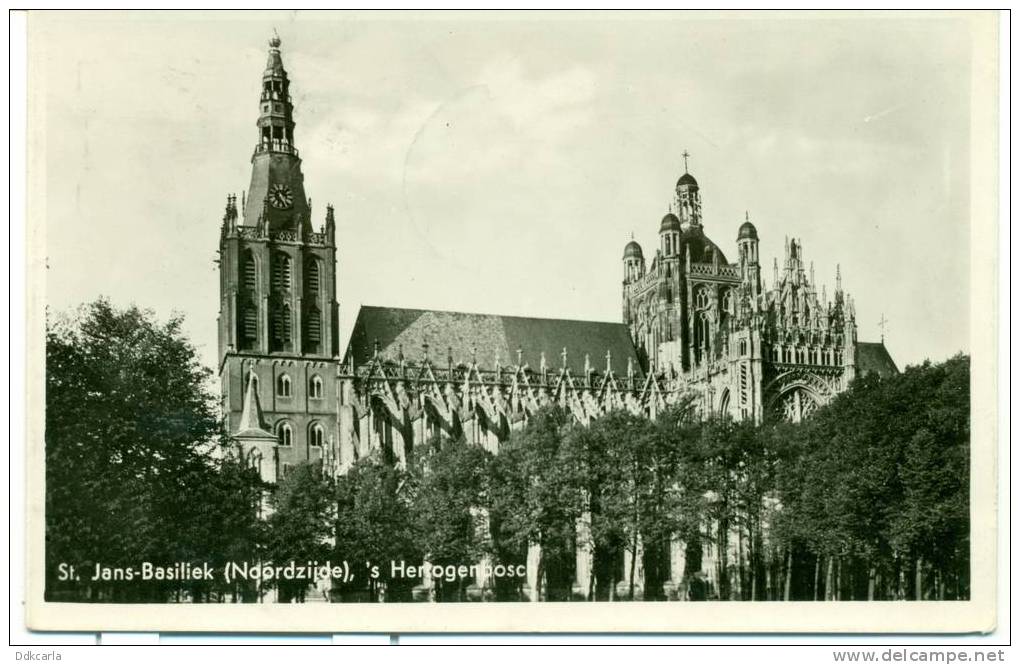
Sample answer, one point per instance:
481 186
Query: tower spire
685 156
276 166
276 121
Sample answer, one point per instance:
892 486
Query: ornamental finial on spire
274 42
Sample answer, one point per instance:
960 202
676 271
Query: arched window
701 297
727 301
316 435
284 434
315 387
255 460
281 327
724 402
283 386
313 330
312 278
281 272
704 329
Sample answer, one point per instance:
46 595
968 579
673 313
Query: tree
604 448
131 454
228 520
542 506
875 486
375 527
789 446
300 525
450 505
670 491
932 524
639 497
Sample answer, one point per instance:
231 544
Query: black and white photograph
496 320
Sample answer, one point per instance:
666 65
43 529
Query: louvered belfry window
314 328
250 324
281 327
249 314
281 319
312 278
281 272
250 273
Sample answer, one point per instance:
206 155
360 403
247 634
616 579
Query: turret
330 226
633 262
688 199
747 246
230 214
669 235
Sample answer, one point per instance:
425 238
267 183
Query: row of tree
867 499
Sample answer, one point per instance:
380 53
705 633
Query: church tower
278 314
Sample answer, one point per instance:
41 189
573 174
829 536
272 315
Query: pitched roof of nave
486 336
874 357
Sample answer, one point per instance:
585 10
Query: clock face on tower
280 196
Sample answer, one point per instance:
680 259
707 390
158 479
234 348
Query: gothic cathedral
694 324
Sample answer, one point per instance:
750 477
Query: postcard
513 321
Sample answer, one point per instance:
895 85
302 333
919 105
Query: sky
499 163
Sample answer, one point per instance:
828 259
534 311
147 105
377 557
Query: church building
693 323
712 327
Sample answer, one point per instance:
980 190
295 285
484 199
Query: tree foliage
375 526
300 524
133 472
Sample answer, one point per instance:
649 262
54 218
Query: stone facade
713 327
278 310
